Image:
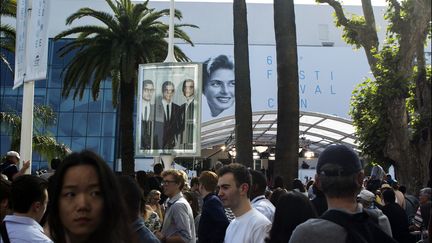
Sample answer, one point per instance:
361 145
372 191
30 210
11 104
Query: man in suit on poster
188 115
147 114
167 123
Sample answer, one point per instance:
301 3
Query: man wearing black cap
340 177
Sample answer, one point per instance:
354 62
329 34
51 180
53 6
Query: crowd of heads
84 201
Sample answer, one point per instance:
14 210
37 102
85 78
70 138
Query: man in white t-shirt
249 226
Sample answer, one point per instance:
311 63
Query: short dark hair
240 172
389 196
259 180
131 193
26 190
158 168
340 186
165 84
298 184
55 163
214 64
147 81
114 225
292 209
194 180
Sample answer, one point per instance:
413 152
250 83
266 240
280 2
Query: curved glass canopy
316 131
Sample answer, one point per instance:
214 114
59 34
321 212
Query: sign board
169 110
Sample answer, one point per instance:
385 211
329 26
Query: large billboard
169 109
327 77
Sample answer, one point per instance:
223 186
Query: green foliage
371 127
132 35
8 8
351 35
43 143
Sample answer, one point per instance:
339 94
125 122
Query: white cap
13 154
366 195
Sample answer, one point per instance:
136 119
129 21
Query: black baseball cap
338 160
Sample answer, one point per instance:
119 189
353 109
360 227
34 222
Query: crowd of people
82 200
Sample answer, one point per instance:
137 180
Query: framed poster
169 109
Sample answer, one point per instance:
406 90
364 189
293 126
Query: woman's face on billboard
219 90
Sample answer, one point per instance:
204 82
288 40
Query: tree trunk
127 145
243 110
286 164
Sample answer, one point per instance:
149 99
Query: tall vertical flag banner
31 42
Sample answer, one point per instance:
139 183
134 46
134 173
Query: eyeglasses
167 182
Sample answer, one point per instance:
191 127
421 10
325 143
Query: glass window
78 143
95 106
41 83
54 97
94 124
65 124
82 104
5 144
107 101
54 57
93 144
67 104
108 148
79 129
54 78
109 124
10 103
65 140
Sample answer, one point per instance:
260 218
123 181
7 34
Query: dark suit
147 128
213 221
187 125
166 129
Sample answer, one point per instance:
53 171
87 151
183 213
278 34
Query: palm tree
132 35
43 143
8 8
243 109
286 164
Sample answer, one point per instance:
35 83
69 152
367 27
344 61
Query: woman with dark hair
298 186
219 84
278 182
292 209
86 204
277 193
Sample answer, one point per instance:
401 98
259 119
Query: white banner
21 35
32 46
327 77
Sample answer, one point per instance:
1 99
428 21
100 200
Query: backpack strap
4 234
348 222
360 227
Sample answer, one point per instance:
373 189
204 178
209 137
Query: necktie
168 113
145 114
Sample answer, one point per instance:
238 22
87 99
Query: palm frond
105 18
48 148
4 60
8 8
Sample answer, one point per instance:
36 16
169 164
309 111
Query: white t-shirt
251 227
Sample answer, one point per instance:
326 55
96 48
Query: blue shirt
144 234
213 222
23 229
